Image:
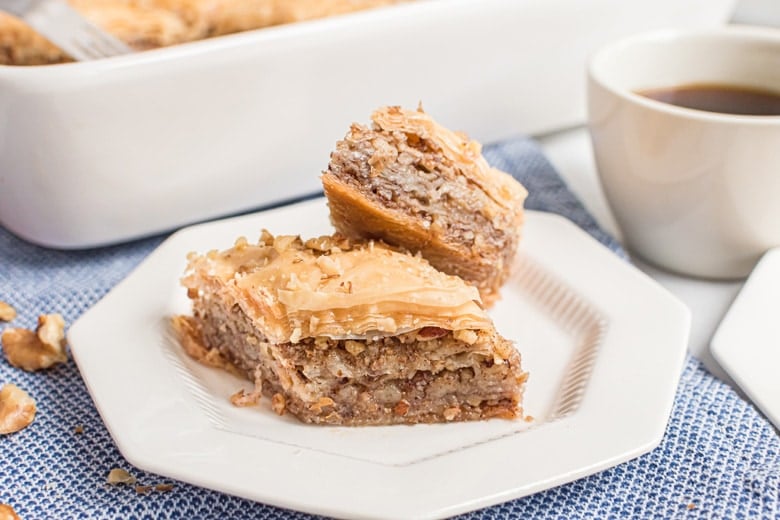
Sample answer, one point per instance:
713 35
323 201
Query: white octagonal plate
604 345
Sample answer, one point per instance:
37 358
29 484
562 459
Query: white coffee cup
693 191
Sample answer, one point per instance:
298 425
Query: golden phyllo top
332 287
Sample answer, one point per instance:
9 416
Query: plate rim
413 504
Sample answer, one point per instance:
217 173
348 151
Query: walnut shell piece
17 409
37 350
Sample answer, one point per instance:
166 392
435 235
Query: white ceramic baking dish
100 152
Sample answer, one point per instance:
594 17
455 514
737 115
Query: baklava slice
349 333
411 182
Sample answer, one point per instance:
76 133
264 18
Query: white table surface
708 300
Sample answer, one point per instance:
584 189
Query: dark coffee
727 99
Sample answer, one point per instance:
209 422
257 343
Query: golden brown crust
328 286
149 24
20 45
141 26
231 16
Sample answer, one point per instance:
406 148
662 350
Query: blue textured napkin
719 457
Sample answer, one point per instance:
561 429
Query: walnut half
7 313
37 350
17 409
7 513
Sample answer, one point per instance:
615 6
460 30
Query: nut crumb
17 409
428 333
691 506
401 408
120 476
7 313
321 244
7 513
243 398
328 266
163 488
142 490
529 418
266 238
79 429
37 350
283 242
451 413
278 404
321 403
466 336
354 347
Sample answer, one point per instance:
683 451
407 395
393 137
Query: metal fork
66 28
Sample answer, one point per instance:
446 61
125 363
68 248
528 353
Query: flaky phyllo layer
331 287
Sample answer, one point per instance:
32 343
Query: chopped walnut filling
401 408
37 350
321 403
354 347
452 413
466 336
278 404
187 333
17 409
7 313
